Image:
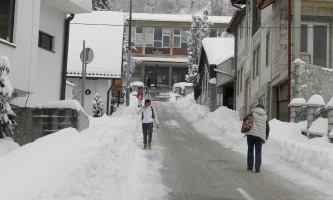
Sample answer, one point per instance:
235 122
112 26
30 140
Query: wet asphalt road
197 168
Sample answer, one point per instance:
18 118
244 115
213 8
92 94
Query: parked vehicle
182 88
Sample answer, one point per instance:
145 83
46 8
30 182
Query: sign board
117 85
89 55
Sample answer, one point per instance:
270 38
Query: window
256 17
256 62
314 40
149 36
138 36
268 49
262 101
184 38
241 29
176 38
213 32
157 37
166 37
7 9
180 38
45 41
240 81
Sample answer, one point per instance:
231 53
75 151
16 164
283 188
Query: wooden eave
235 21
243 2
264 3
314 4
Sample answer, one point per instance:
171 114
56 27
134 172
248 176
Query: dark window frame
268 49
256 17
46 44
9 23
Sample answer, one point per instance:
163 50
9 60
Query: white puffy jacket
259 123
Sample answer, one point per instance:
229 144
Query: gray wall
307 80
36 123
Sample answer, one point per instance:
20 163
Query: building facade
32 36
161 45
261 31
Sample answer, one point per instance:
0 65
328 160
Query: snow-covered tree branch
7 116
134 62
199 30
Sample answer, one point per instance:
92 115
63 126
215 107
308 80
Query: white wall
45 77
22 53
48 82
100 86
69 91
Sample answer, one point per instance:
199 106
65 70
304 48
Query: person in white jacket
256 136
148 118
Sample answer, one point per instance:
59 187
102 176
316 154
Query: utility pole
128 74
83 73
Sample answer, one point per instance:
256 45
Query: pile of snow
103 162
285 146
106 161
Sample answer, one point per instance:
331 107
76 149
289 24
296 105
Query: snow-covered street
106 161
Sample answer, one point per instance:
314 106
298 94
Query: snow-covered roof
176 18
329 105
319 127
297 102
316 100
218 50
71 104
137 83
103 33
182 85
70 83
158 59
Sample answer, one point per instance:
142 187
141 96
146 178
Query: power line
243 27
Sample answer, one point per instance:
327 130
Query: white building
32 35
102 31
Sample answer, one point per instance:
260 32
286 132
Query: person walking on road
146 95
148 118
139 96
256 136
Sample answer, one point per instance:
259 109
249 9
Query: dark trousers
254 142
147 129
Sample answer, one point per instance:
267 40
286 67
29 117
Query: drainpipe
108 99
65 57
235 70
289 55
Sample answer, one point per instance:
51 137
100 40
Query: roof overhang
264 3
238 2
235 21
316 4
71 6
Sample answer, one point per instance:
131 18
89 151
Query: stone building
261 36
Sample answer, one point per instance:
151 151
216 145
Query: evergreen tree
134 62
7 116
199 30
98 105
101 5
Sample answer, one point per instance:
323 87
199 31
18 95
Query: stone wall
307 80
39 122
